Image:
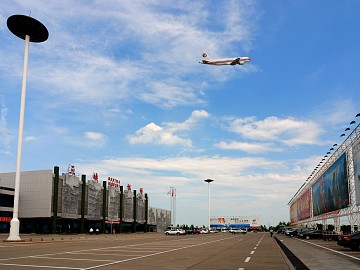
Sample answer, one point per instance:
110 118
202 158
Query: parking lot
158 251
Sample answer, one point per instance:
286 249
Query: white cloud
92 67
289 131
246 146
5 134
165 135
30 138
94 139
153 133
169 95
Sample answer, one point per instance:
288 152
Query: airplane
223 61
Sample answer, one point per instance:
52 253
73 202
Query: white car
234 231
175 232
203 231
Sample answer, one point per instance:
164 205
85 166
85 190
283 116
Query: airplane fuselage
226 61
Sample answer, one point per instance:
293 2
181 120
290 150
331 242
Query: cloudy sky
117 89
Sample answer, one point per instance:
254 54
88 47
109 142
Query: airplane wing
235 61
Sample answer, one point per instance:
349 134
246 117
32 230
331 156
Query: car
204 231
351 241
235 231
196 231
291 232
175 232
311 234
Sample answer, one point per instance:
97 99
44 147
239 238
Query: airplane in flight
224 61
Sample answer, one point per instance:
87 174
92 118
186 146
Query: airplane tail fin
205 56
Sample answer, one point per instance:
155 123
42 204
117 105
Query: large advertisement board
293 211
304 206
330 192
356 160
250 222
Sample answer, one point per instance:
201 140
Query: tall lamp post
30 30
209 181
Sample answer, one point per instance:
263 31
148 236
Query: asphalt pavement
157 251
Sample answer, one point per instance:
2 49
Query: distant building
53 203
6 207
244 222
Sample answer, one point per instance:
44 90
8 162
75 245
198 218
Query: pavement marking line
41 266
154 254
74 259
105 248
94 253
98 249
255 247
352 257
247 259
252 252
241 268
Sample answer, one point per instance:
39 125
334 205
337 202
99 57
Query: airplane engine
241 62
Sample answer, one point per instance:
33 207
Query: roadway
157 251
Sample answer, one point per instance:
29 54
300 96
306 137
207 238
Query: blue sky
117 89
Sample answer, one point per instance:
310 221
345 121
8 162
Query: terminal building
331 194
53 203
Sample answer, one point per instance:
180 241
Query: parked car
291 232
309 234
204 231
235 231
351 241
175 232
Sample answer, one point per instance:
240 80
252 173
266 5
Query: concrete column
104 207
55 199
146 213
82 211
134 211
121 208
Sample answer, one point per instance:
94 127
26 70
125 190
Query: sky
118 89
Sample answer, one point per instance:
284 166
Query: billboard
330 192
250 222
356 160
304 206
293 211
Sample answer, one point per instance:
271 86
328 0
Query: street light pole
209 181
30 30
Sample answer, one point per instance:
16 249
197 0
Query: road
156 251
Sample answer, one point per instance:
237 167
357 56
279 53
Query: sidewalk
316 258
58 237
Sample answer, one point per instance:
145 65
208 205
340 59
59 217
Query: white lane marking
74 259
154 254
255 247
101 249
252 252
241 268
247 259
41 266
95 253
